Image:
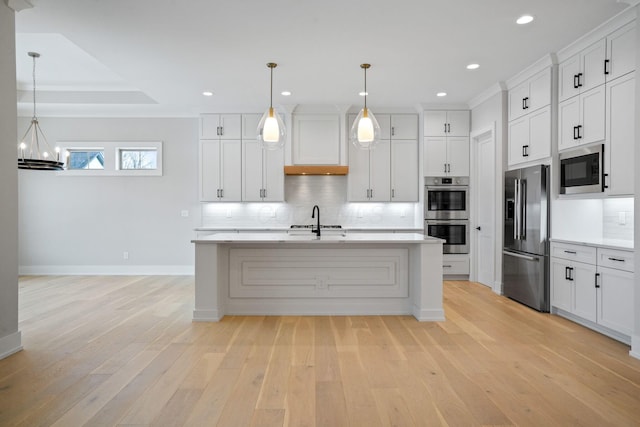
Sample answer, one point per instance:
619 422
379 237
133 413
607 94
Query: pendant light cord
271 90
365 88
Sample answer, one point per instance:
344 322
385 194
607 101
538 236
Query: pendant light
271 130
32 152
365 132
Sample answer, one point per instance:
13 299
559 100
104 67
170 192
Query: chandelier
34 151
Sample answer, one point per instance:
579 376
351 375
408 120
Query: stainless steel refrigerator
525 255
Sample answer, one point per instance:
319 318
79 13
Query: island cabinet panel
318 273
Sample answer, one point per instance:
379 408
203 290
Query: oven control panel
446 180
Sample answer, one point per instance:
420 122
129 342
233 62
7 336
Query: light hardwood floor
123 351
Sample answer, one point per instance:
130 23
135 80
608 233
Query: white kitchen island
346 274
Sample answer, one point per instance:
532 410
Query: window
112 158
137 158
85 159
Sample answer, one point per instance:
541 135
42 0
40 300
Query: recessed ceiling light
524 19
207 93
441 94
363 93
472 66
285 93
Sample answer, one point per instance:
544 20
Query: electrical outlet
622 218
184 213
125 255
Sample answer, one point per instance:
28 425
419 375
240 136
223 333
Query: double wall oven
446 211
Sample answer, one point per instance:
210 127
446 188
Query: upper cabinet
530 95
620 139
604 60
221 126
446 123
446 143
389 171
581 119
263 177
529 136
582 71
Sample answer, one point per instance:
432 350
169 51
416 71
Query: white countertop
602 243
324 238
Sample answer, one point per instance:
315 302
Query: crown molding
18 5
486 94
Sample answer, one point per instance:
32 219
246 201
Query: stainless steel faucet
313 215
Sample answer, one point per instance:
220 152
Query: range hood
316 170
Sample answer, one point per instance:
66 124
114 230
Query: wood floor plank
123 350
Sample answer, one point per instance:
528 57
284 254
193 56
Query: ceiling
156 57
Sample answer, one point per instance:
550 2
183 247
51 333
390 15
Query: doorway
484 207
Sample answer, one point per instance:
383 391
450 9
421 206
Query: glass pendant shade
271 131
365 132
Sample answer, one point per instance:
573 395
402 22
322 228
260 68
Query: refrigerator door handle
516 214
527 257
523 209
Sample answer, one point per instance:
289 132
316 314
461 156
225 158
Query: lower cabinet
594 284
455 264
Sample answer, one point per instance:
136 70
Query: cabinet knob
478 228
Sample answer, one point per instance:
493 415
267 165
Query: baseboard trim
206 316
106 270
497 287
429 315
635 346
10 344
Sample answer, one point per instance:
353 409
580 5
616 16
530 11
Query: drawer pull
446 266
616 259
570 252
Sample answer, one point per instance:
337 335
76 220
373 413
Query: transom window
79 159
137 158
112 158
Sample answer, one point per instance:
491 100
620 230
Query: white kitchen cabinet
581 119
369 178
446 156
404 170
220 170
455 264
530 95
620 136
599 291
615 299
621 52
220 126
250 126
530 137
583 71
446 123
263 178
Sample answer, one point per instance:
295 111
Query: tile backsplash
617 219
301 193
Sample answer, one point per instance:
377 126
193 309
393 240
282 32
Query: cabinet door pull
570 252
576 81
445 168
579 133
393 130
524 104
567 273
222 192
445 128
606 66
393 193
597 284
604 177
448 127
446 266
579 79
525 151
616 259
371 192
575 132
448 167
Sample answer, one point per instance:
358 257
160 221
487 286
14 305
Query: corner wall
10 339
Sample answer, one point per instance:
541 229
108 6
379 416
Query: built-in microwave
582 170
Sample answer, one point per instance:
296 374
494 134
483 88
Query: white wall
492 112
83 224
10 340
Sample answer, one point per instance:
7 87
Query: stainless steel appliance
525 259
455 232
582 171
446 197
